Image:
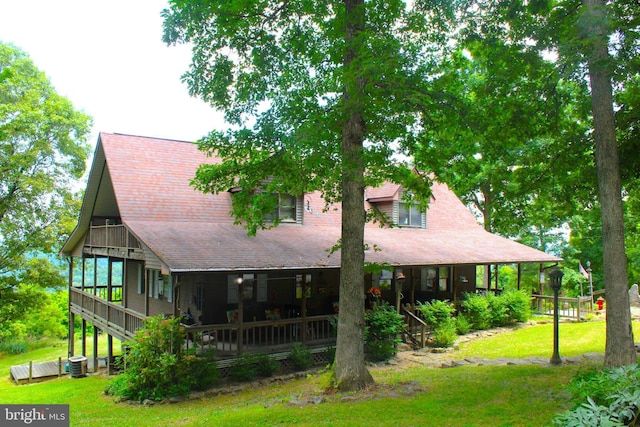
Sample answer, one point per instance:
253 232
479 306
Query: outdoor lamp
556 283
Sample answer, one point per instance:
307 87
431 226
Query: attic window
286 211
409 215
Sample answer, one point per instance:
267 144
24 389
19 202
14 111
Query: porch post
109 279
497 274
109 355
84 337
240 315
95 348
72 335
84 265
71 317
303 308
519 275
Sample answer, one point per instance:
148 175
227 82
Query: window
443 279
153 279
140 280
409 215
287 208
286 211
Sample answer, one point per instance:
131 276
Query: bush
484 312
612 398
518 305
156 366
476 310
463 326
250 366
300 357
382 332
13 347
437 312
498 313
445 334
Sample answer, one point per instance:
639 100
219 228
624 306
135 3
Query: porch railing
112 318
265 336
416 330
573 308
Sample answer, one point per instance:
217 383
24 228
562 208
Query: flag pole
590 283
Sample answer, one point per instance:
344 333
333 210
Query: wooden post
519 275
72 334
59 367
95 348
303 308
84 337
30 371
109 355
240 315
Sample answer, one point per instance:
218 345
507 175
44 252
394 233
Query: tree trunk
350 371
619 348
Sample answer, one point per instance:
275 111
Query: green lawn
464 396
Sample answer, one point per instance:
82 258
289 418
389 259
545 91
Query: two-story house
147 243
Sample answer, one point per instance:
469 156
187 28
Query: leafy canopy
277 71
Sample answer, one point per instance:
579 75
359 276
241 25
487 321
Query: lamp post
556 283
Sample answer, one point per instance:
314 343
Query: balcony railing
112 318
111 236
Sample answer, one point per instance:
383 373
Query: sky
108 59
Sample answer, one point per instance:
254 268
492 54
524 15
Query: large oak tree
321 95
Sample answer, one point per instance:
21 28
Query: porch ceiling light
239 280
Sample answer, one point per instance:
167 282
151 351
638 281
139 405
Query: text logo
34 415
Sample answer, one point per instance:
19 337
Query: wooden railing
111 236
266 336
416 330
573 308
112 318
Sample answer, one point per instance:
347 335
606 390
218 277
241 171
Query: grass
465 396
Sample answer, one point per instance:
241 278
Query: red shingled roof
192 231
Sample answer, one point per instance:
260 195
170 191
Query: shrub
518 305
445 334
498 313
330 354
437 312
463 326
250 366
476 310
14 347
382 332
611 396
300 357
156 366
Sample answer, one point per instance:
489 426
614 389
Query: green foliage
250 366
300 357
382 331
476 309
439 315
463 326
13 347
437 312
445 334
486 311
156 366
612 398
42 140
